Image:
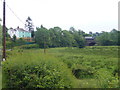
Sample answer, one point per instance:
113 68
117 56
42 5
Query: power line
15 14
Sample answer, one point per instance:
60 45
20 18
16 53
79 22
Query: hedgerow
29 46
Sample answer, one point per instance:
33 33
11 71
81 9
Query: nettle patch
42 71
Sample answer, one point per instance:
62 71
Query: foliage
106 79
66 39
56 37
18 42
29 25
0 78
9 44
93 67
29 46
42 37
14 38
108 38
39 71
0 35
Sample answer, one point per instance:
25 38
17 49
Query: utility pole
4 34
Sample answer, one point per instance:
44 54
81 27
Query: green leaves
56 37
35 70
108 38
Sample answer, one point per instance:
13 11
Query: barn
90 41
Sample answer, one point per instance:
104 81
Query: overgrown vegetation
0 78
11 43
70 67
90 67
0 56
31 69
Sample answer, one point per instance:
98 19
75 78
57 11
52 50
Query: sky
86 15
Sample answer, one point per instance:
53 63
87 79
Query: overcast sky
87 15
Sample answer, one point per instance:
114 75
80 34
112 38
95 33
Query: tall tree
55 34
29 26
108 38
42 37
67 39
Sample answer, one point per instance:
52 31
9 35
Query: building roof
18 29
89 38
21 29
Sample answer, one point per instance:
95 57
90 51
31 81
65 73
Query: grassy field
92 67
0 78
0 69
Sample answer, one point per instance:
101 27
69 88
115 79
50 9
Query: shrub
39 71
19 42
9 44
83 73
29 46
106 79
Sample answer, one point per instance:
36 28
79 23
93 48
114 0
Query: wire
15 14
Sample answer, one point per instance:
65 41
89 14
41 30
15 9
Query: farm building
90 41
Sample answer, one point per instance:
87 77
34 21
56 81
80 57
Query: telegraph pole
4 34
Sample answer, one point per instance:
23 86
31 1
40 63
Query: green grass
93 58
0 78
93 66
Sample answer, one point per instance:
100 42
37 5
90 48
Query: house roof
89 38
21 29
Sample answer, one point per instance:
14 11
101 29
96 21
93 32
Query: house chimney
18 27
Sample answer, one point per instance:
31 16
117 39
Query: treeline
108 38
0 35
56 37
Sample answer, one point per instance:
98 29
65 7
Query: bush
9 44
83 73
106 79
19 42
39 71
29 46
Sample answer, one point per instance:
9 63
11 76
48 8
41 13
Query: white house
19 33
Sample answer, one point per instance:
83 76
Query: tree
55 36
66 39
72 29
42 37
79 40
108 38
29 26
14 38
